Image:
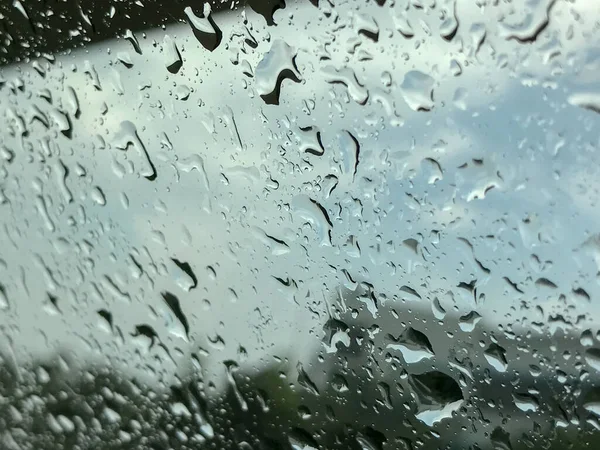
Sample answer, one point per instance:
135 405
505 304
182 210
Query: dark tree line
345 400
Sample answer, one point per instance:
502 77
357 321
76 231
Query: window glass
315 224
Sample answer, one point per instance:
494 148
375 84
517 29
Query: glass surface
319 224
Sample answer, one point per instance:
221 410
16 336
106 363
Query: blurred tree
346 398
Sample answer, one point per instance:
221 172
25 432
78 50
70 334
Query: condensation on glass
314 224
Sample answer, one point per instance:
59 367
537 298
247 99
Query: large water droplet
592 357
175 307
204 28
500 439
586 100
267 8
277 65
347 77
468 322
437 395
300 439
536 20
413 345
173 60
417 89
496 357
128 135
313 213
305 381
526 402
232 367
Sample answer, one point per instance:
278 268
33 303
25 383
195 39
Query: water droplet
92 74
173 60
459 99
370 439
183 275
586 100
413 345
339 384
4 305
277 65
300 439
468 322
367 26
61 178
72 102
384 390
336 332
438 311
496 357
500 439
437 395
232 367
204 28
312 212
346 77
403 25
98 196
310 140
350 153
42 209
19 7
61 121
175 307
449 26
105 321
536 20
417 90
182 92
586 338
278 246
128 135
592 357
125 59
526 402
305 381
133 40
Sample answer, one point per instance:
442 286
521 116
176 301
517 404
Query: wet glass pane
319 224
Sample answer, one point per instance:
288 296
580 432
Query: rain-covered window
296 225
